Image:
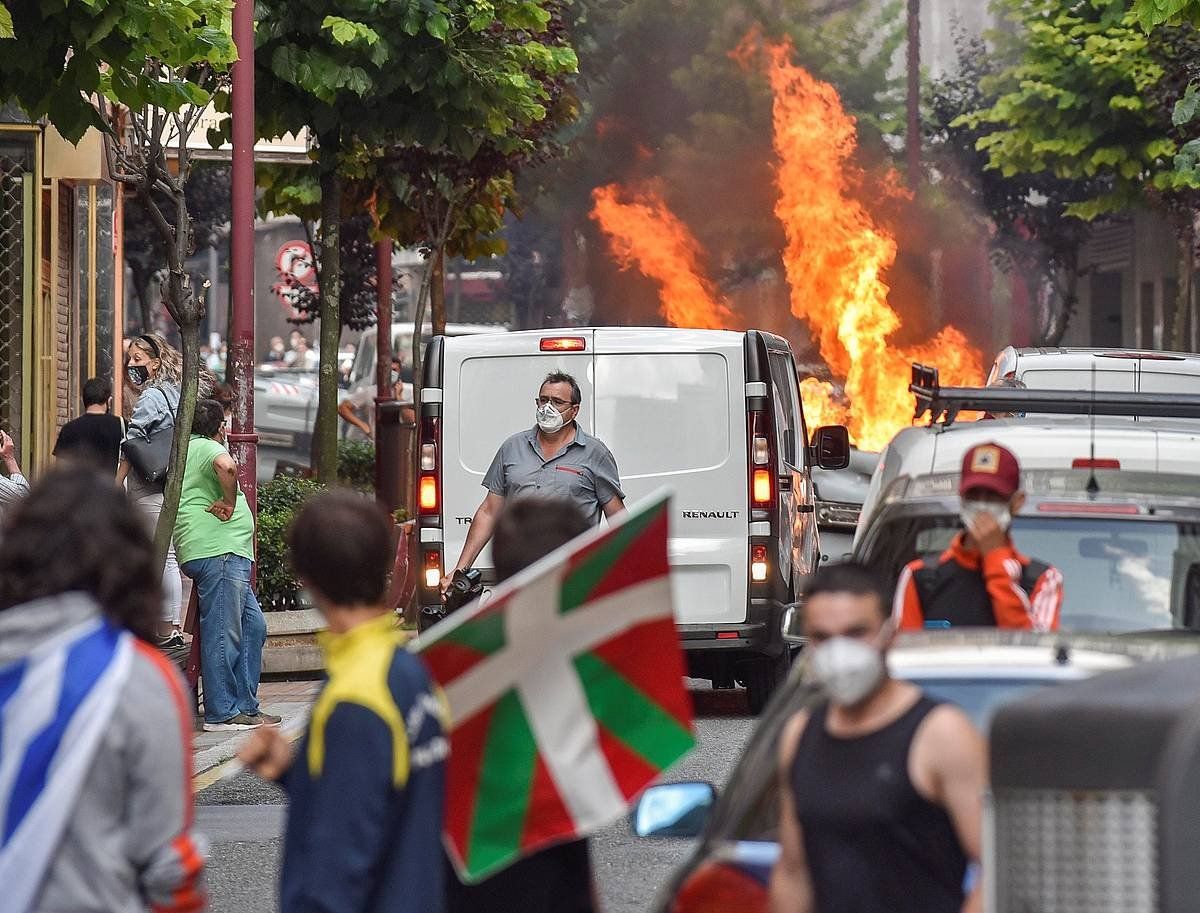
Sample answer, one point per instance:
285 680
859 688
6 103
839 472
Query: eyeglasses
558 403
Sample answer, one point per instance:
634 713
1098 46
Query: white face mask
549 419
849 670
972 509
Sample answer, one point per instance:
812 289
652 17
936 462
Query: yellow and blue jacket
367 787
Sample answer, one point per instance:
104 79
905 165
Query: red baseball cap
992 467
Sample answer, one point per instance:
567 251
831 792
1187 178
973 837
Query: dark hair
848 577
96 391
530 528
341 545
209 417
561 377
76 531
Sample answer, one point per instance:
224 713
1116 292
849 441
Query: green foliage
63 53
356 465
6 23
1074 105
279 500
1152 13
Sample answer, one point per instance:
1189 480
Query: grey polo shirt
584 472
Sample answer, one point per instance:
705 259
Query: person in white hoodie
96 809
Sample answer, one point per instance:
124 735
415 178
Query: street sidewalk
211 751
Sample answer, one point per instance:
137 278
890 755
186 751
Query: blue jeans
232 633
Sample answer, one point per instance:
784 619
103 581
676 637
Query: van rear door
494 381
671 408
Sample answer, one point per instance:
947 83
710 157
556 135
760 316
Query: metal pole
387 410
243 440
912 145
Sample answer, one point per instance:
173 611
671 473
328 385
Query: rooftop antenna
1093 486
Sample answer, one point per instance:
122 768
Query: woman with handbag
154 369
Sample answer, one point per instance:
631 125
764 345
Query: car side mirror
831 447
673 809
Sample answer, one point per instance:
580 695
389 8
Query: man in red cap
982 580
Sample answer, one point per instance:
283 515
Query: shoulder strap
925 577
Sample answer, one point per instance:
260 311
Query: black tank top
874 844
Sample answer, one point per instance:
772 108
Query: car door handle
807 508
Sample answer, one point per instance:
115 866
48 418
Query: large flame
644 233
836 256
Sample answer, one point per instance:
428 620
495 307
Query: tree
208 196
1074 105
440 75
1032 237
144 74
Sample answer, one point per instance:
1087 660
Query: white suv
715 415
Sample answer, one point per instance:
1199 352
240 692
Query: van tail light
429 487
433 569
429 495
1095 463
762 460
563 344
762 488
760 451
758 563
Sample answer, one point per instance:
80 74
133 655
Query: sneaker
241 721
264 719
172 641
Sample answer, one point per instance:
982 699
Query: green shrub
356 464
278 502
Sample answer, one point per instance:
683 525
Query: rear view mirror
1113 549
831 447
673 809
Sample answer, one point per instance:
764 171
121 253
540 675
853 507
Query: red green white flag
566 694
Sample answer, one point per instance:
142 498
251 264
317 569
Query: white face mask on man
998 509
847 669
549 419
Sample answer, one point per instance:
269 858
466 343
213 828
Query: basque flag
55 705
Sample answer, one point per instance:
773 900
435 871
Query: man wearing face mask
555 458
982 580
881 787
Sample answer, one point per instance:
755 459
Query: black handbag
150 457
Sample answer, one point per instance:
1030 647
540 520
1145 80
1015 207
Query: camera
465 587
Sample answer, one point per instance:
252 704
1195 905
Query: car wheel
762 678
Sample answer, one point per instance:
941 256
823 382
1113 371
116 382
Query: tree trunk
437 292
189 332
1185 266
141 290
325 429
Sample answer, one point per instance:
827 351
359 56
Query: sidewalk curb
209 764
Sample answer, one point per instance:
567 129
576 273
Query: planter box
292 642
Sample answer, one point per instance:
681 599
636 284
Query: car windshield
1127 574
978 697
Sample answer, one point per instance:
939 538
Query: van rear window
496 397
664 412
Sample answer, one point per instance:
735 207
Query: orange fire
835 258
645 234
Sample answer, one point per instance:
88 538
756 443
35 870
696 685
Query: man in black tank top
881 787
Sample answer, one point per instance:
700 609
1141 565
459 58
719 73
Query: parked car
285 408
714 414
840 494
980 670
362 374
1130 370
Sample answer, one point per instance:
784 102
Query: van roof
1048 443
656 337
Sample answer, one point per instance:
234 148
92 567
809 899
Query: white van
713 414
1114 370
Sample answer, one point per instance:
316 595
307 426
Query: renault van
715 415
